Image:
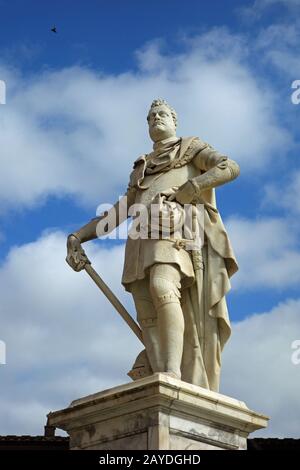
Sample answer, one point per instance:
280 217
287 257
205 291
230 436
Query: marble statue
179 294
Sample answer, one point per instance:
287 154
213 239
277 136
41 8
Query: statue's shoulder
141 159
193 143
138 171
189 148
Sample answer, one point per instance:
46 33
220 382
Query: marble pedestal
157 413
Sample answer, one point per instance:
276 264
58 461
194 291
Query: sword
199 277
87 266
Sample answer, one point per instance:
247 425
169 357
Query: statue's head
162 120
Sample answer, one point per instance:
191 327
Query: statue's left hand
185 194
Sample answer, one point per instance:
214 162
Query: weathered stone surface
158 412
178 257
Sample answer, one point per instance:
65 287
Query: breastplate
163 181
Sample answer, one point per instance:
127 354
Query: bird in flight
54 29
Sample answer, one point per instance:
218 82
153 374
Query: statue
179 294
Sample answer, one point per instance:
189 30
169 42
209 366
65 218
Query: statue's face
161 124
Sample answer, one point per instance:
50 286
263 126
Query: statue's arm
97 227
216 169
107 222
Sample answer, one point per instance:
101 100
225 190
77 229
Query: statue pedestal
157 413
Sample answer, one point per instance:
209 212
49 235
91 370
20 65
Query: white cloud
257 367
267 250
64 340
286 195
260 7
277 42
77 131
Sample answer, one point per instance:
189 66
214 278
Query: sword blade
114 301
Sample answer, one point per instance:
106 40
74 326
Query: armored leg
165 291
147 318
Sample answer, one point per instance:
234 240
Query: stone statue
179 294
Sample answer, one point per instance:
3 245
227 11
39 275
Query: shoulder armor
195 146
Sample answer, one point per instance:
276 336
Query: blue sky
73 123
92 34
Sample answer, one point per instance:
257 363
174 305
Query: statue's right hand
76 257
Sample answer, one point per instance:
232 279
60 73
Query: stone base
157 413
